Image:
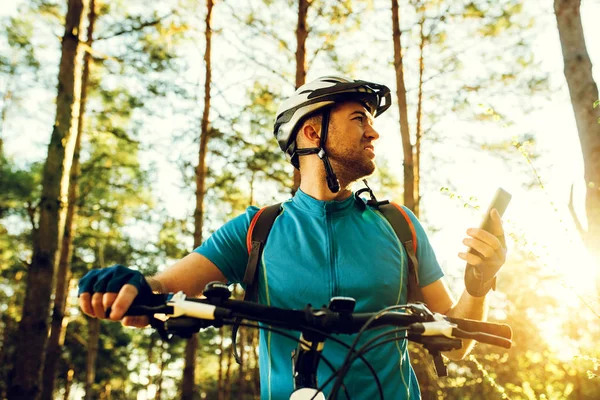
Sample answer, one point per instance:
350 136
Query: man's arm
439 299
490 254
190 275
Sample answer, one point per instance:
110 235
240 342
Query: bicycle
435 332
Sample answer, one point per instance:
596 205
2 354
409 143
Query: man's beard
350 167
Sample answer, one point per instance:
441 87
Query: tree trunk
204 133
64 265
189 370
241 386
161 370
92 355
151 349
409 172
227 391
419 127
255 371
7 354
220 384
107 392
7 350
69 381
301 36
33 328
187 390
584 92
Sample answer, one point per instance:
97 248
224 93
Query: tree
301 67
584 93
407 148
33 328
66 250
188 385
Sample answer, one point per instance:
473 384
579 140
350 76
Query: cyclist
324 243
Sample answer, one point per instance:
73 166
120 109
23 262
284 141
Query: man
324 243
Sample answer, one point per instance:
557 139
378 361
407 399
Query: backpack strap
259 229
405 230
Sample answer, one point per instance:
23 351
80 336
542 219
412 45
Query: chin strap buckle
373 201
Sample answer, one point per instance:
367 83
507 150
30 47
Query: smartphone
500 203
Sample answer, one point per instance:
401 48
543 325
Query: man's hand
116 288
487 255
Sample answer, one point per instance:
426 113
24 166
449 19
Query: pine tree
33 328
66 251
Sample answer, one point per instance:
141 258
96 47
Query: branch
136 28
25 263
31 208
257 62
257 29
578 225
96 54
78 338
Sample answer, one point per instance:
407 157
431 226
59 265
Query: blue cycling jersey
317 250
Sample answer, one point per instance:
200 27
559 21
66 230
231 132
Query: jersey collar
320 207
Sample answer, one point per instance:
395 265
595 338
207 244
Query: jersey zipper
334 278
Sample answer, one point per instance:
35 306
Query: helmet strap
332 181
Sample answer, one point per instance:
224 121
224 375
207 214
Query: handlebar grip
140 310
483 338
491 328
149 305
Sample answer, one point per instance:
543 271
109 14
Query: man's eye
359 119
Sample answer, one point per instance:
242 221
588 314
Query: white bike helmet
320 95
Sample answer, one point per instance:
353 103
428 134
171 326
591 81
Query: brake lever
421 310
160 328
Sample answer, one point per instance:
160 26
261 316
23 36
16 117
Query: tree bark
241 385
419 127
407 148
92 355
301 36
64 265
33 328
7 351
151 349
220 385
6 354
227 386
583 92
204 132
187 389
161 370
255 371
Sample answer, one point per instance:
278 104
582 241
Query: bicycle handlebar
193 314
436 332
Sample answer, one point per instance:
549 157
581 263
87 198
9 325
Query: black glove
112 279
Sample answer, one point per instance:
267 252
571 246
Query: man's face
350 141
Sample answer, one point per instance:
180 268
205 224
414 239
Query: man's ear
309 135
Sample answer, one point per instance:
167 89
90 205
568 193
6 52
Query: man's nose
371 133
